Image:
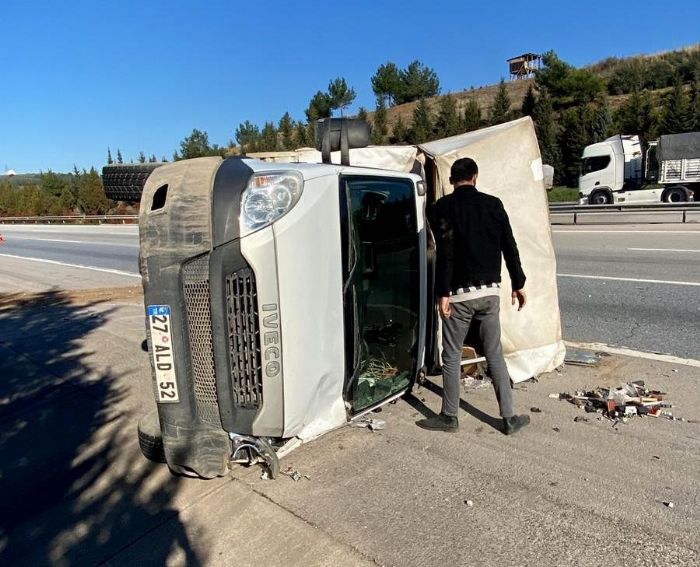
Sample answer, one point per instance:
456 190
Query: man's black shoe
439 422
515 423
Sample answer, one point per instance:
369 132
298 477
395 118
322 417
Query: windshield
382 295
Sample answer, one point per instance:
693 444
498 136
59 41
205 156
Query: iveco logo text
271 340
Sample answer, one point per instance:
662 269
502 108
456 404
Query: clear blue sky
81 75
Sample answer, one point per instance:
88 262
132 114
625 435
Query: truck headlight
267 197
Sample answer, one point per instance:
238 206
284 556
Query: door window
382 286
595 163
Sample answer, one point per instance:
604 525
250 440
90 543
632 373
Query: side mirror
333 134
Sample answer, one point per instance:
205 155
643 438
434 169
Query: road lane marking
94 268
602 347
661 250
71 241
626 231
637 280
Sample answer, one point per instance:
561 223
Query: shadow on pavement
74 488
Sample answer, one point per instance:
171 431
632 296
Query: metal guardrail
72 219
677 213
622 213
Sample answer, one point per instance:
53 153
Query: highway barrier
559 213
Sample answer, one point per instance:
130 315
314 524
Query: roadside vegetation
571 108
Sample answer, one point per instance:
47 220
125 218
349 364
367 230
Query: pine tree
300 140
153 159
573 138
399 133
422 127
269 137
142 157
546 129
637 115
248 137
695 102
340 94
528 106
362 114
601 122
286 128
500 111
110 161
379 123
119 156
447 122
471 119
678 114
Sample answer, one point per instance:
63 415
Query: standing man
472 231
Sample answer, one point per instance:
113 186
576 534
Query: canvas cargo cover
510 167
679 146
396 158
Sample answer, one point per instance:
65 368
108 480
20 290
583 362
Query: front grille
197 302
244 339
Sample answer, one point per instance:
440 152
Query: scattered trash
294 474
265 475
556 429
674 370
619 404
469 503
668 504
580 357
535 410
370 423
580 418
656 457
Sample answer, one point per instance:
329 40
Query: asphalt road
636 286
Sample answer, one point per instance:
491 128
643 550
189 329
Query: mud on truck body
285 299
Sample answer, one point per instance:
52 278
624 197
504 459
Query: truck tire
124 182
675 195
150 438
600 197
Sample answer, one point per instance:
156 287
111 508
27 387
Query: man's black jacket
472 230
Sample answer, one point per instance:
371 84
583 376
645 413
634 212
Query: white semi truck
284 299
618 171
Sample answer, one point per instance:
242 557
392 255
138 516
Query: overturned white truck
285 299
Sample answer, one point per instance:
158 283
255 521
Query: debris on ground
579 357
370 423
535 410
580 418
556 429
294 474
618 404
668 504
469 503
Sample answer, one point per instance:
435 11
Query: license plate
162 352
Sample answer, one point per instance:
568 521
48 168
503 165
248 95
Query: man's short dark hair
463 170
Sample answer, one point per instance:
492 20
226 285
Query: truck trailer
620 170
286 298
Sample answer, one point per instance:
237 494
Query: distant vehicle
618 171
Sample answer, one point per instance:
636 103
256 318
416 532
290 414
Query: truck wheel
599 198
150 438
675 195
124 182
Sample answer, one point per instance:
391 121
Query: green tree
567 85
678 115
362 114
110 161
195 145
387 82
399 133
91 197
500 111
422 127
269 137
52 184
601 122
300 138
528 106
573 139
417 82
286 129
320 106
447 122
142 157
547 133
471 118
153 159
379 122
340 94
248 137
637 115
695 102
119 156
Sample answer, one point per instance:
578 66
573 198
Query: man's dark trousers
454 330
